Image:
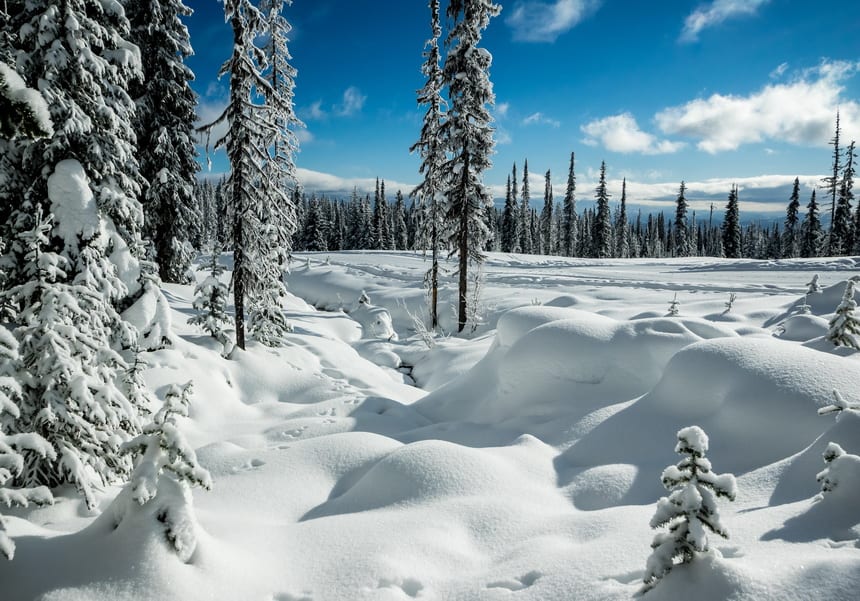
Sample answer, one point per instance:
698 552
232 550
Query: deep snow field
519 462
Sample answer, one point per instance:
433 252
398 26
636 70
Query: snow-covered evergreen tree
526 239
399 223
814 285
690 511
12 445
211 302
682 235
568 229
791 233
837 461
23 111
469 136
164 123
510 232
674 306
811 234
165 466
732 227
71 376
547 233
845 325
842 229
603 225
622 228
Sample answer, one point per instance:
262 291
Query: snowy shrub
211 301
674 306
690 510
813 285
11 445
165 466
845 326
828 476
805 308
730 303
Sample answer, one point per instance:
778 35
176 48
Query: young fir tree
602 225
526 239
791 234
568 232
811 233
546 222
690 510
682 234
211 303
165 466
845 325
469 136
732 227
163 125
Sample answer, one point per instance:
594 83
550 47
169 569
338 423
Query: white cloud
303 135
207 112
540 119
621 133
502 136
353 102
502 109
544 21
802 111
778 72
715 13
327 183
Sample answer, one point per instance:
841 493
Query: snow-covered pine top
693 440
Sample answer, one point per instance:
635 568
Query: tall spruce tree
526 239
164 127
831 183
602 225
399 223
568 233
546 221
431 148
682 234
469 135
842 231
246 141
732 227
623 230
811 233
510 236
791 233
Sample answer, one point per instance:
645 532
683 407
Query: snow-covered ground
522 461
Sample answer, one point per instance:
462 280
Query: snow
17 91
76 215
522 460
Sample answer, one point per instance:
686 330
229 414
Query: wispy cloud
502 109
353 102
541 119
621 133
801 111
544 21
716 12
779 71
315 112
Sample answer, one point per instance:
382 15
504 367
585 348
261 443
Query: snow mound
375 321
756 397
426 472
801 328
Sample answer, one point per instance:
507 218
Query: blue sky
711 92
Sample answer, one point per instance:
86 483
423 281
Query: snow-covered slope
522 461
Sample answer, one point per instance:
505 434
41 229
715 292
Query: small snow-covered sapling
163 453
839 405
804 308
730 303
827 477
813 285
845 325
674 306
690 510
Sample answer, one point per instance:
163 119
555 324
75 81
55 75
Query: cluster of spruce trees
363 222
98 169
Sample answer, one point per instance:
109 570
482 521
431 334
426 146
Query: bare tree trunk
463 240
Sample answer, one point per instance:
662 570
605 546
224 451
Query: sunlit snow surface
520 462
